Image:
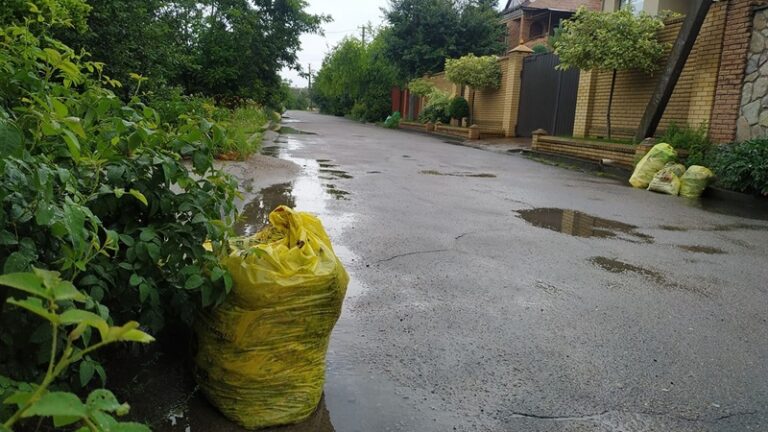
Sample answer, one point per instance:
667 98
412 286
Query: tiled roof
569 5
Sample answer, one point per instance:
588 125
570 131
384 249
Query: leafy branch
55 300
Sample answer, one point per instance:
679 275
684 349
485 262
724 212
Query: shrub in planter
743 166
458 108
436 109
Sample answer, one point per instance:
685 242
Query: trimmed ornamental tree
478 73
421 86
610 42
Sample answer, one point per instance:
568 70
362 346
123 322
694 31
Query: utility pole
309 90
363 29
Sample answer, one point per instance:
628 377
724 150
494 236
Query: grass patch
245 127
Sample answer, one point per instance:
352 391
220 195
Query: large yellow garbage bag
652 163
261 354
695 181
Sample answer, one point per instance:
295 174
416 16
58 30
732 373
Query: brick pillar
707 60
733 61
585 103
514 84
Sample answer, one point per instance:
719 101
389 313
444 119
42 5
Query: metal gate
547 96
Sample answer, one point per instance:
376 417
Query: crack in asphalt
599 416
412 253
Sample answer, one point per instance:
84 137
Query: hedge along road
495 293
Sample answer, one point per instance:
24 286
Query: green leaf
61 421
135 279
59 108
139 196
105 400
86 372
64 290
27 282
77 316
57 404
144 292
193 282
11 141
128 333
16 262
72 143
44 214
18 398
34 305
7 238
119 192
147 234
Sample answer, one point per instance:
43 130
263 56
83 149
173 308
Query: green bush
695 141
436 108
540 49
458 108
105 194
743 166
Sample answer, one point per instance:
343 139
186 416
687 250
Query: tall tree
213 47
356 79
423 33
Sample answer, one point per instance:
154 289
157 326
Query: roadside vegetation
108 191
419 35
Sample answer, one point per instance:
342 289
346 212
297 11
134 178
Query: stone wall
753 112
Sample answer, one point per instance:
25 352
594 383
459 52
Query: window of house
536 31
637 5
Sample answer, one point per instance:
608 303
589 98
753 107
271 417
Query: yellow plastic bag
651 163
695 181
666 181
261 354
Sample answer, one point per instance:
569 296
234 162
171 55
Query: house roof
555 5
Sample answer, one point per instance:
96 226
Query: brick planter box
621 154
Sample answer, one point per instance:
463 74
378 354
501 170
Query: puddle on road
619 267
255 214
273 151
287 130
578 224
703 249
458 174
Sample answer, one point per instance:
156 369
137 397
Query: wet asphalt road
462 315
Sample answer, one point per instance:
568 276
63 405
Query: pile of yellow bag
261 354
657 171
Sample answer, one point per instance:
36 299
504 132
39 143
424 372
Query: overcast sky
347 15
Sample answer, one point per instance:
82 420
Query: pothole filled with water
578 224
619 267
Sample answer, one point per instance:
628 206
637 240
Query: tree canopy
423 33
356 79
476 72
217 48
620 40
616 41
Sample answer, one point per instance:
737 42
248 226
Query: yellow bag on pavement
666 181
261 354
695 181
652 163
